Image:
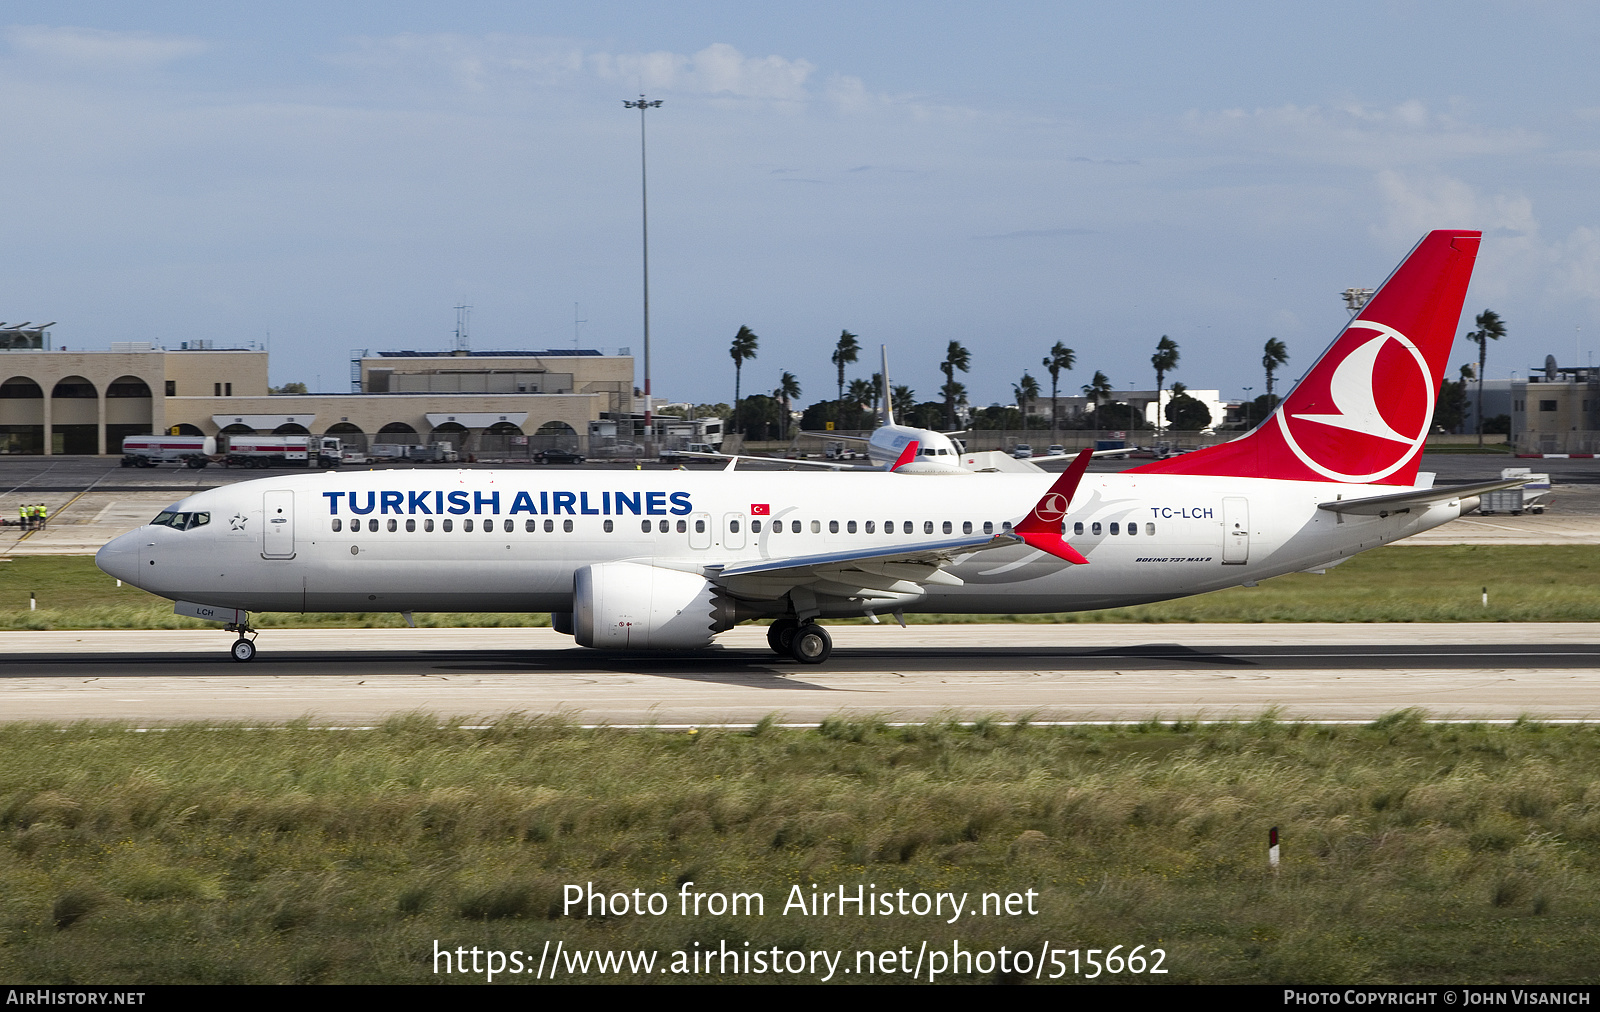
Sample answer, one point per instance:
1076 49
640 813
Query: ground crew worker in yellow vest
33 520
44 516
22 517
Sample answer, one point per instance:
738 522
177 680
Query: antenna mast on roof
463 340
575 325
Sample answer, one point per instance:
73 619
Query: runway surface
1052 672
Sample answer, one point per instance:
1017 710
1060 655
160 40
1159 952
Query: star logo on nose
236 522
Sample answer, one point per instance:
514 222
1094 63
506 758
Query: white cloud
1357 135
101 50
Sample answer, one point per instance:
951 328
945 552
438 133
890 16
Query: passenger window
833 527
872 526
427 526
532 526
947 528
662 528
699 526
733 526
988 527
1005 527
927 526
338 525
966 527
646 526
466 525
850 527
566 525
755 526
488 527
906 527
1095 528
411 526
816 527
448 525
1150 529
607 526
1113 529
1133 529
794 527
1077 528
683 526
372 525
394 525
549 525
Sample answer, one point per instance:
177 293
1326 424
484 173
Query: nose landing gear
244 648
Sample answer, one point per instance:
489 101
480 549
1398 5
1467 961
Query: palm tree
844 353
955 358
1276 354
788 390
1490 328
905 397
1060 357
744 348
859 394
1024 392
1097 390
1165 360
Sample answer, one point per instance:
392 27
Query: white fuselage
936 453
377 540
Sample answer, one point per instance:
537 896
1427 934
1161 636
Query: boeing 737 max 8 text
668 559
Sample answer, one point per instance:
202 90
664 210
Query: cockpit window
181 521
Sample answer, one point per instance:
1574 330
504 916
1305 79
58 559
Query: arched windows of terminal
185 429
21 416
291 429
236 429
350 436
453 433
554 436
74 416
497 440
129 411
398 432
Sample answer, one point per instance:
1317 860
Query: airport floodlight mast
644 210
463 340
1355 299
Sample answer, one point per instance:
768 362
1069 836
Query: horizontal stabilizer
1400 502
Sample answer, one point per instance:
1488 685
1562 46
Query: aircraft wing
890 572
830 465
836 435
1402 502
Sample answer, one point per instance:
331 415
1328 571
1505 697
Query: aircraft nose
120 557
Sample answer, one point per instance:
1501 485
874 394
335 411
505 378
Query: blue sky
341 175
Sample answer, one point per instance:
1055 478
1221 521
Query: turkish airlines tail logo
1362 412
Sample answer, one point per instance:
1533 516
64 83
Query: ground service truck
148 451
283 451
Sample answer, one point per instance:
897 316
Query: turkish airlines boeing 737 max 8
652 560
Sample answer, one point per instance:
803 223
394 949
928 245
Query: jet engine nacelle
630 606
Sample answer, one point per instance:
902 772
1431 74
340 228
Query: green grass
1543 583
1412 852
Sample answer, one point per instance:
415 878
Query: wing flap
1400 502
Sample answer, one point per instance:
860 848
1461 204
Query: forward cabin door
277 527
1235 531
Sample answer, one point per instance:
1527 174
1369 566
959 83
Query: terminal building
496 403
1555 410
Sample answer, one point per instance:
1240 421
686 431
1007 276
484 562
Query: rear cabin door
1235 531
277 528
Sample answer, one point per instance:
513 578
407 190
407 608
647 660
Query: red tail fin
1362 413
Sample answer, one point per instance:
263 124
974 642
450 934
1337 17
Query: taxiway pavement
1052 672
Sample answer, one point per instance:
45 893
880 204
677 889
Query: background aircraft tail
1362 412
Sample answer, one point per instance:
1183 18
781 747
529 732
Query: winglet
1041 528
906 456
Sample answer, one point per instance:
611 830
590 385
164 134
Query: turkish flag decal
760 509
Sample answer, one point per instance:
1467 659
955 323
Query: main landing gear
244 648
808 643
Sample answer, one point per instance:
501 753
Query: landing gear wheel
243 649
780 634
811 644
